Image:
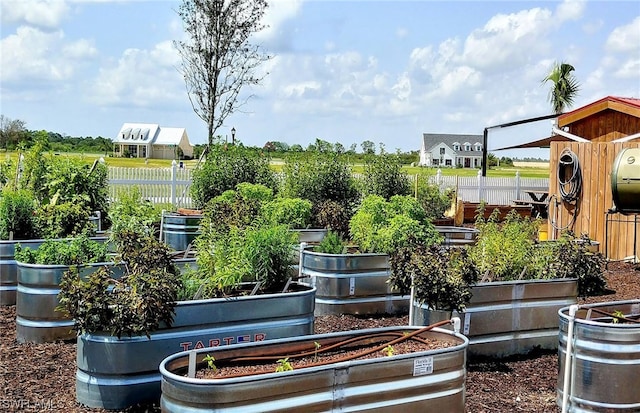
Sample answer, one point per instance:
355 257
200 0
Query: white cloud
402 32
625 39
33 55
141 78
570 10
40 13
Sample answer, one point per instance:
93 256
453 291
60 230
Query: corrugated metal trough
9 268
425 381
509 317
179 231
458 236
604 367
352 283
117 373
37 320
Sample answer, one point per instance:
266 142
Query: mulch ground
41 377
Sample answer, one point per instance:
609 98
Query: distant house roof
139 133
430 140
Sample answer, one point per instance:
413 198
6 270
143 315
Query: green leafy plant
316 347
384 226
75 251
63 219
17 208
389 350
332 243
225 167
210 362
130 212
617 316
383 176
434 200
284 365
332 216
293 212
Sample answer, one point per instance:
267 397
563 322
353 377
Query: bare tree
218 59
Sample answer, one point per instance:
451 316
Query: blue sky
343 71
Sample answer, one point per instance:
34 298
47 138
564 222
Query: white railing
171 185
157 185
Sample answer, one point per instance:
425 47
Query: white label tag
352 286
423 366
467 324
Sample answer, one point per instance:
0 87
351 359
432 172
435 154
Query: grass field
526 169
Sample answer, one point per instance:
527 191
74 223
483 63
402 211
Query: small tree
218 59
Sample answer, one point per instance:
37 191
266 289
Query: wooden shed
589 139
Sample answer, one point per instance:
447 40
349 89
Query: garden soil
41 377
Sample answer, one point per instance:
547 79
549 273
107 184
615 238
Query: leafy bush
320 177
137 303
441 277
332 216
76 251
332 243
434 201
131 213
383 226
383 176
62 220
293 212
227 166
16 215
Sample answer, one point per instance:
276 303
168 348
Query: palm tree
565 86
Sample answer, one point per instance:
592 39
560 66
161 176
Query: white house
148 140
447 150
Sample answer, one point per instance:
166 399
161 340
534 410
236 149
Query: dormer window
467 146
478 147
456 146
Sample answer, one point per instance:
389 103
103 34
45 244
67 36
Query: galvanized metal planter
432 380
37 320
9 268
458 236
310 235
352 283
509 317
116 373
178 231
604 363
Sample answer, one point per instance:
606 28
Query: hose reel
569 178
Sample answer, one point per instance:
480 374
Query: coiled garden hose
569 185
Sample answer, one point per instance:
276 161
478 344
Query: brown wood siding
596 165
605 126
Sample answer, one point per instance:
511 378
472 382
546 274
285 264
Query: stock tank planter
425 380
180 229
508 317
310 235
9 268
37 320
458 236
603 370
351 283
116 373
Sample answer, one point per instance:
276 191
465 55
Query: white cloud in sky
40 13
625 39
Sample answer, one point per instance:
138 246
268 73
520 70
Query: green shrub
332 216
293 212
332 243
320 177
132 213
136 304
227 166
76 251
62 220
434 201
382 226
383 176
16 215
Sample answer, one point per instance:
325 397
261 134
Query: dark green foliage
383 176
138 303
441 277
270 252
320 177
76 251
332 243
434 201
16 214
226 167
333 216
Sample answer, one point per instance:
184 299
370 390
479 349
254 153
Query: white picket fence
170 185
